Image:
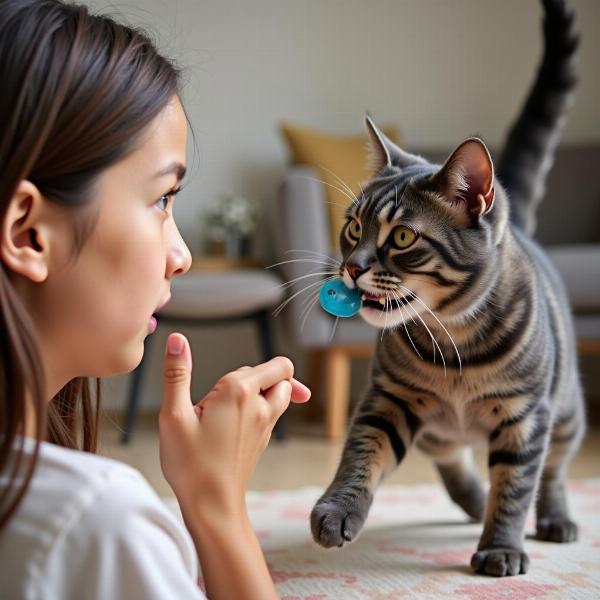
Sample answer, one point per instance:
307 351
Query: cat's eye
404 237
354 229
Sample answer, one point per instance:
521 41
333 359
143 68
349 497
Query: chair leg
266 340
588 347
134 396
337 391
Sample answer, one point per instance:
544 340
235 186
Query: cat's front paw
337 518
500 562
556 530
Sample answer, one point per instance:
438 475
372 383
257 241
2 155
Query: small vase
237 247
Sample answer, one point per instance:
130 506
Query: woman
92 152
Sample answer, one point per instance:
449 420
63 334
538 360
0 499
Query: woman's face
94 313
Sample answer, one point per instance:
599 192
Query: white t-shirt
91 527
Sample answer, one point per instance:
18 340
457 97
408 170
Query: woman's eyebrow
174 167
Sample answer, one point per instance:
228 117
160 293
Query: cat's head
422 234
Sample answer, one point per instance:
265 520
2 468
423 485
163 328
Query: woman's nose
179 259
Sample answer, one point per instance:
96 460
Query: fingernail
175 345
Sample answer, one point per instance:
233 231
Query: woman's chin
123 362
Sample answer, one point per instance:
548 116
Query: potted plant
230 222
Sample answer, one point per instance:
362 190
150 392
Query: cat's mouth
383 302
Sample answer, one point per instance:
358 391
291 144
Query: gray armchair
568 225
303 235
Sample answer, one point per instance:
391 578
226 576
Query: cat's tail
529 150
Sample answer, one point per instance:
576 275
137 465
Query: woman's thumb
177 374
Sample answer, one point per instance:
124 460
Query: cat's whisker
418 299
411 317
342 207
444 328
433 339
335 187
306 260
288 300
385 310
434 343
311 295
408 334
308 311
315 253
346 186
334 328
402 312
291 282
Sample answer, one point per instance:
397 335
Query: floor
304 458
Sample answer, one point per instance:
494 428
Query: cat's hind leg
553 522
516 455
458 472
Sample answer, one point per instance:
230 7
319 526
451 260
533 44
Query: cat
478 343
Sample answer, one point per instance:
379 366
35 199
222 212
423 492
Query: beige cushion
223 294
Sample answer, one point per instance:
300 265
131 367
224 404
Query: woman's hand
208 451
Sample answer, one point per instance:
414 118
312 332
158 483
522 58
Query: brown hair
77 91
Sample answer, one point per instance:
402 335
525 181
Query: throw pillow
338 160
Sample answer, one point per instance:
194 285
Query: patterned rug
417 544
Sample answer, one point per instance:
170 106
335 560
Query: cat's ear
384 153
466 179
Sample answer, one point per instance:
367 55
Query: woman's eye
354 229
163 199
166 198
404 237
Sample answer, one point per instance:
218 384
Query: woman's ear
24 234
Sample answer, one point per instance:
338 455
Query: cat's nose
354 270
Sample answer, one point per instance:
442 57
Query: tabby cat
478 342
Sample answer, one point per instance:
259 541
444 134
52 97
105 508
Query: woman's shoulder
78 507
68 485
82 468
68 482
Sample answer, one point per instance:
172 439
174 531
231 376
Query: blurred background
436 71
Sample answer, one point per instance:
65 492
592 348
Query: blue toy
339 300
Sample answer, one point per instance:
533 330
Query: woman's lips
152 324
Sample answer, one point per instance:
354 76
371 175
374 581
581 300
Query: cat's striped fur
477 342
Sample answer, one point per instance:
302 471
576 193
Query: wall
441 70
